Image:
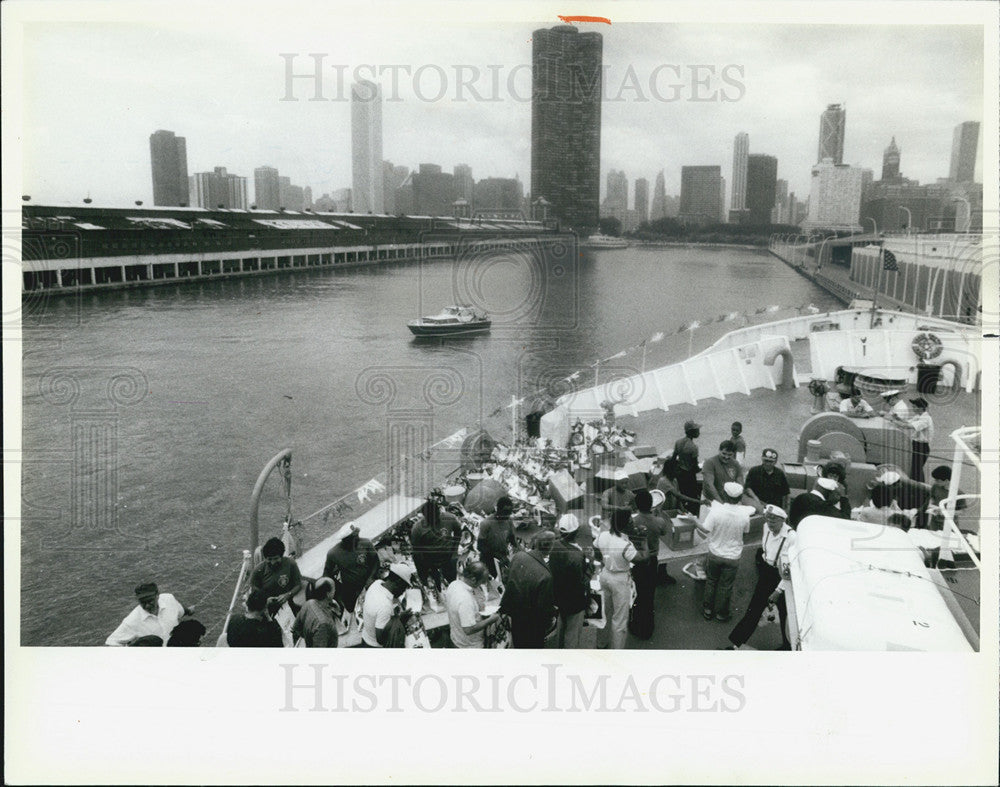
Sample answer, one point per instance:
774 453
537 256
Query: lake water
148 414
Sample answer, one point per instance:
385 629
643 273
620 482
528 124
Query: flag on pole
889 261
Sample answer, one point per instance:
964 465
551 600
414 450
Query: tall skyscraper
218 189
658 209
616 200
831 133
168 156
266 188
762 177
738 203
963 152
890 162
392 179
702 195
641 200
366 148
566 123
463 182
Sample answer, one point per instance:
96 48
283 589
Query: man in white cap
352 563
619 496
725 525
380 604
822 500
570 581
893 405
772 565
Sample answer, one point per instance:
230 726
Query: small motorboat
452 321
604 242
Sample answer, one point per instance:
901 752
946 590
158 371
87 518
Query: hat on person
403 571
919 402
345 532
769 453
147 590
889 477
733 489
890 394
826 483
659 498
620 475
568 523
688 425
773 510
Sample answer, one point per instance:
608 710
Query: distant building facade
266 188
566 124
964 143
218 189
890 164
433 191
835 195
738 201
703 192
657 210
497 194
168 159
641 201
366 148
616 200
761 187
832 125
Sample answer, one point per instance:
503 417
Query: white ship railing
952 539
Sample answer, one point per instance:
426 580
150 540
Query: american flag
889 261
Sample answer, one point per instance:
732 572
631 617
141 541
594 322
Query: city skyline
940 66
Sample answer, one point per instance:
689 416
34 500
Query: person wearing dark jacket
528 598
822 500
496 536
435 540
570 581
255 629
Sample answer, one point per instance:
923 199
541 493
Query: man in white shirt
856 407
156 615
466 624
922 428
894 407
772 567
380 603
724 526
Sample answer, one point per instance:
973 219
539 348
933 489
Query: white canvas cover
554 426
863 587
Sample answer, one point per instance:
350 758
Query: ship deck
770 419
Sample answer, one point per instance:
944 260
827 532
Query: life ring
926 346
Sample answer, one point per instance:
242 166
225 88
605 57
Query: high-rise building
168 157
433 191
835 196
702 195
831 133
218 189
566 123
464 182
616 201
738 203
366 148
641 200
307 197
890 163
266 188
761 189
658 209
963 152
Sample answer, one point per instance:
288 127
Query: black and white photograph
650 349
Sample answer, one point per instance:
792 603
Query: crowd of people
548 587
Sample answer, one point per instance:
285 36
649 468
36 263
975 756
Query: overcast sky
95 91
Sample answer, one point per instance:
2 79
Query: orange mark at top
568 19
